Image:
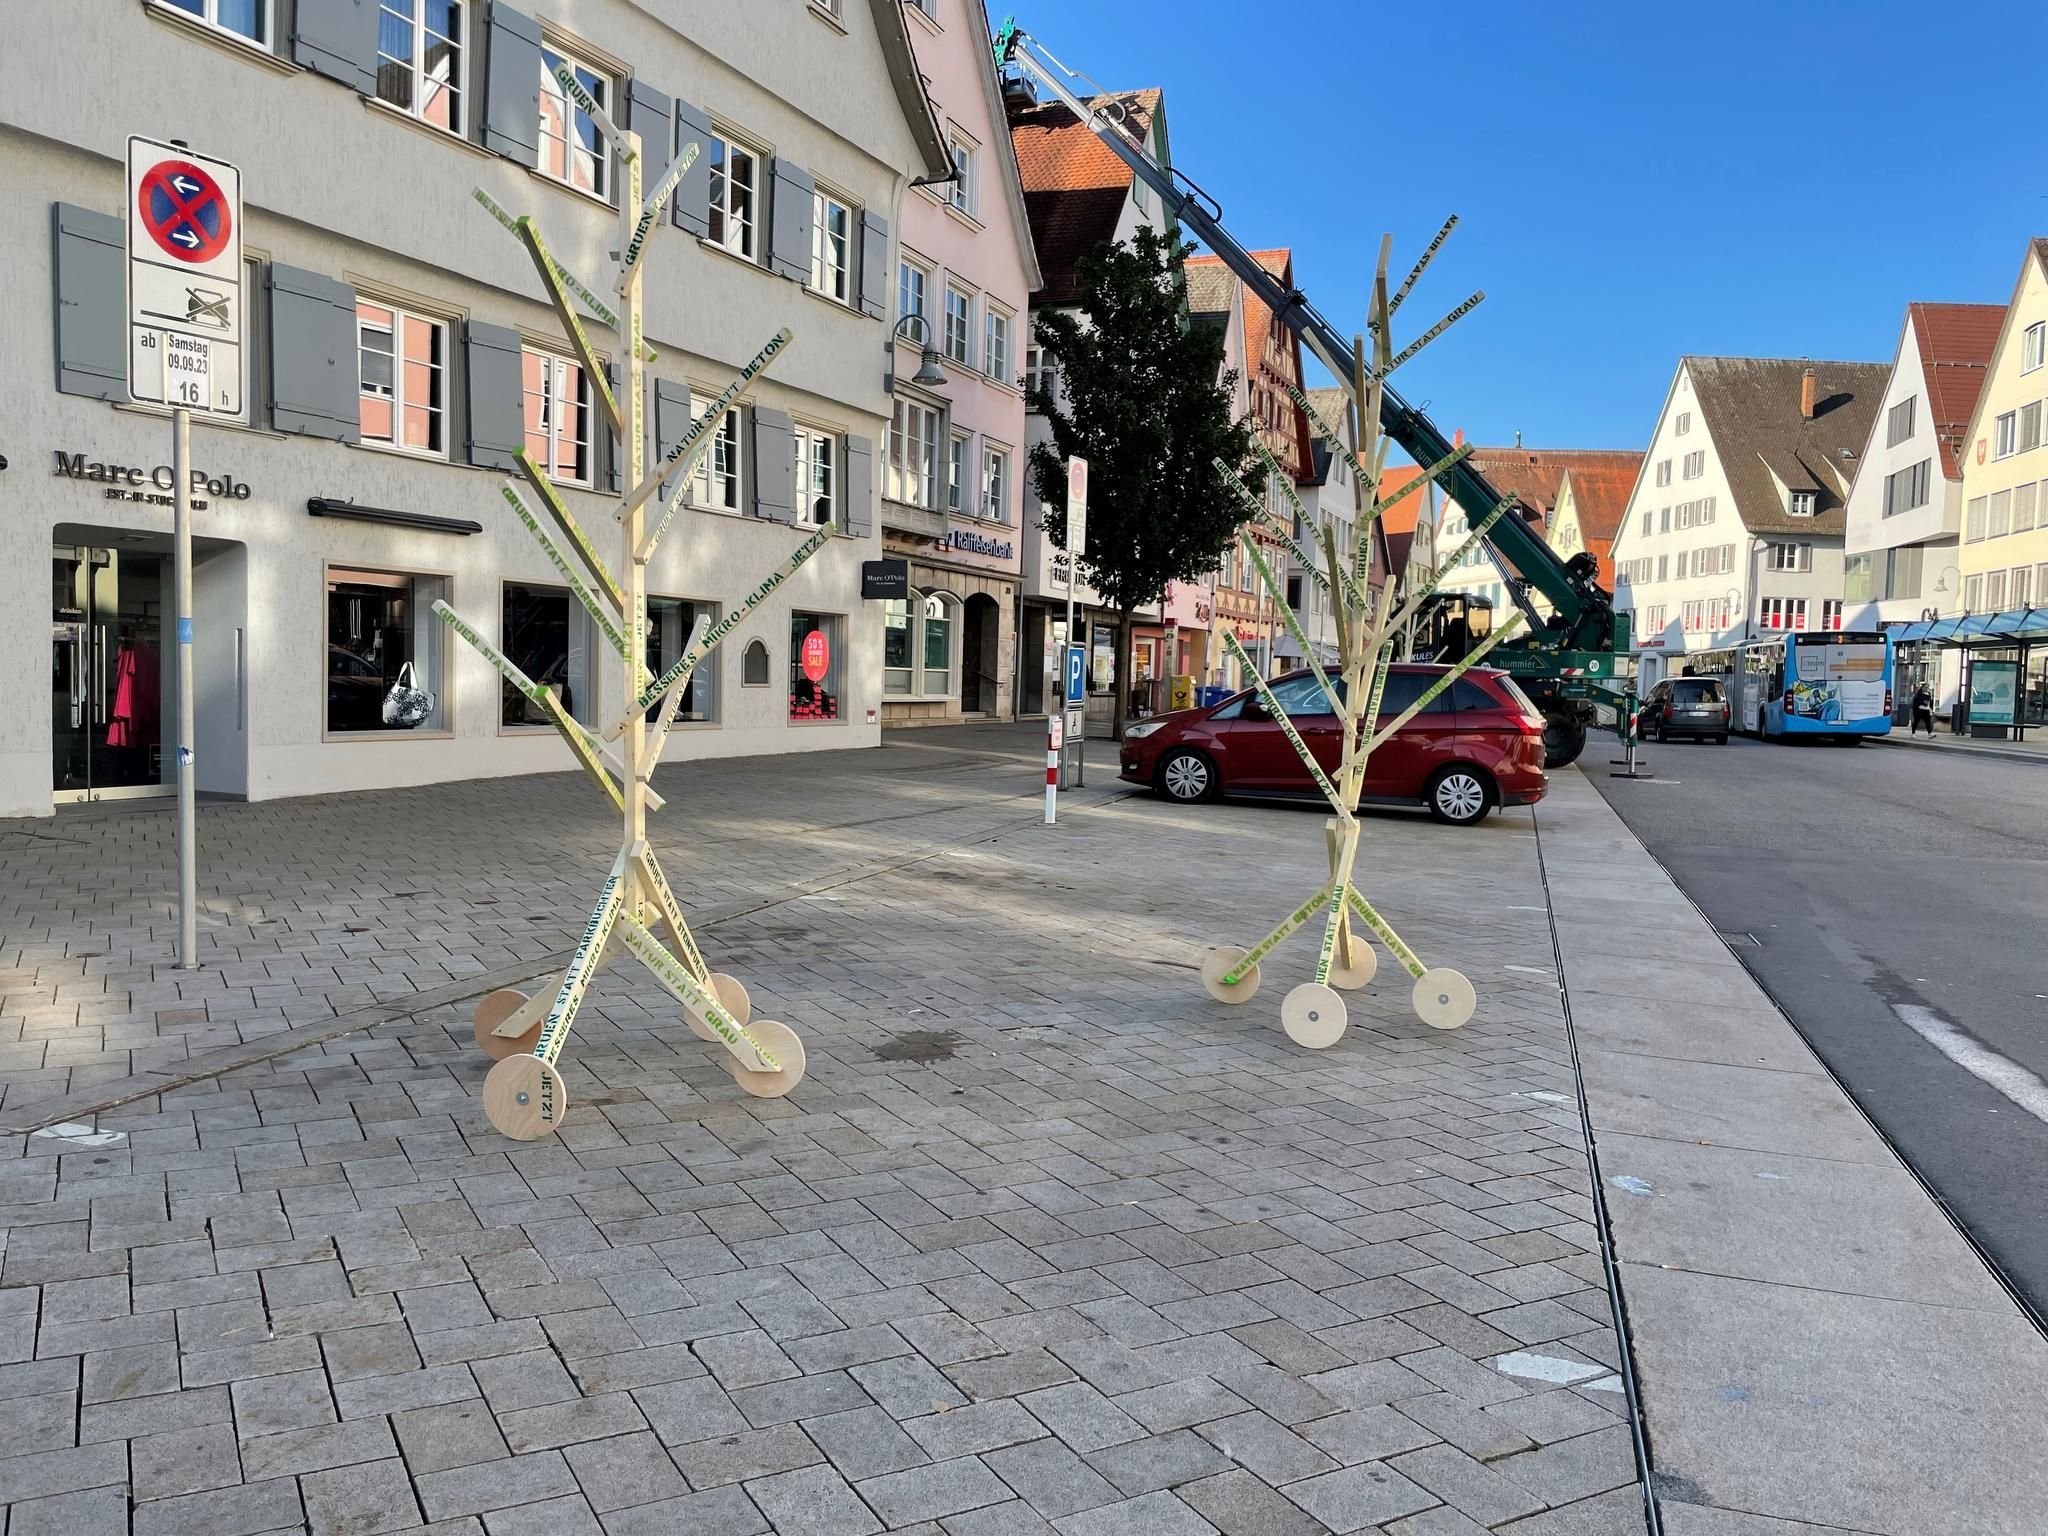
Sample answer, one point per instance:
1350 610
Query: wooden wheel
1217 964
1365 965
781 1042
1313 1016
732 997
1444 999
524 1098
493 1009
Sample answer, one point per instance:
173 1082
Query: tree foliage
1145 402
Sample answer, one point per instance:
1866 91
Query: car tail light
1726 713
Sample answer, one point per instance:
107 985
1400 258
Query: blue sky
1633 183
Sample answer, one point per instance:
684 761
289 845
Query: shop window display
380 623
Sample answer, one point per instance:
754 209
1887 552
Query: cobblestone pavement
1046 1239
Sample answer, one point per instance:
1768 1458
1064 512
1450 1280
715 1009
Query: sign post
1077 541
184 291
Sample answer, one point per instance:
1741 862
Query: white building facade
400 353
1734 528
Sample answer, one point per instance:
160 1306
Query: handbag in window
407 705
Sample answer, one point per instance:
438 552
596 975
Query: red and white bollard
1053 738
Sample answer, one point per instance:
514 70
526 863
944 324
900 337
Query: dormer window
1805 503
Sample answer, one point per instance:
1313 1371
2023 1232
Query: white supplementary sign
1077 506
184 279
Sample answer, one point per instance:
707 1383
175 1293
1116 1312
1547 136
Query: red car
1476 746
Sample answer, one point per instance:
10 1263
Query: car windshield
1703 690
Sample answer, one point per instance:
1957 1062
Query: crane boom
1586 620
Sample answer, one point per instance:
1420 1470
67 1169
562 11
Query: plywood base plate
732 997
1219 963
524 1098
1365 964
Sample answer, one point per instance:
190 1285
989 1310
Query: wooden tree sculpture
524 1095
1313 1013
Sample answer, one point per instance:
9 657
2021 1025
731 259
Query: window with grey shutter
338 39
789 240
671 416
314 377
650 114
875 273
91 307
497 404
858 493
512 99
693 193
774 468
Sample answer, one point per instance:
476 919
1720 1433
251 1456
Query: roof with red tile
1074 184
1601 487
1956 343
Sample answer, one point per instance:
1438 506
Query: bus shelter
2005 668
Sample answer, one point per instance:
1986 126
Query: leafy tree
1147 404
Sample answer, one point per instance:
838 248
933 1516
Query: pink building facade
953 480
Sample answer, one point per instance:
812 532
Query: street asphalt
1885 890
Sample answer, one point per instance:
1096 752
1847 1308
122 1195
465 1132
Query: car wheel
1459 796
1187 776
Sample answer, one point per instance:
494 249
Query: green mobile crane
1572 657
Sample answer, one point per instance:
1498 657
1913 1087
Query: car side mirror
1255 709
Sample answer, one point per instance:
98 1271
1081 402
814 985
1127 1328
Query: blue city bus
1826 684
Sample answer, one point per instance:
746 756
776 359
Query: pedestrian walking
1923 710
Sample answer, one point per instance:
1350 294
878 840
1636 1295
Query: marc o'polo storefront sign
132 482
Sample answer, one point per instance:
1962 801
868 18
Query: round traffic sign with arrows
185 212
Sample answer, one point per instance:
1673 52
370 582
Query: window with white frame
250 19
1973 594
912 472
918 644
1784 613
402 362
735 200
1663 519
961 190
1998 518
422 53
1649 523
2007 435
1788 557
817 476
1994 591
1682 425
1831 613
2025 507
926 8
2034 346
995 484
1706 509
1804 503
2030 426
959 326
957 454
995 347
715 484
556 394
912 282
1663 471
572 147
1695 464
1898 422
2022 584
1973 520
831 248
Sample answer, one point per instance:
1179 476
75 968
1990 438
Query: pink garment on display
138 697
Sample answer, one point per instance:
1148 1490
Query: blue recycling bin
1212 694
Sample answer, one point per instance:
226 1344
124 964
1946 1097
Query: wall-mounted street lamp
928 372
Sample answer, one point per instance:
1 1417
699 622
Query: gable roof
2037 251
1074 184
893 29
1956 342
1751 409
1601 486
